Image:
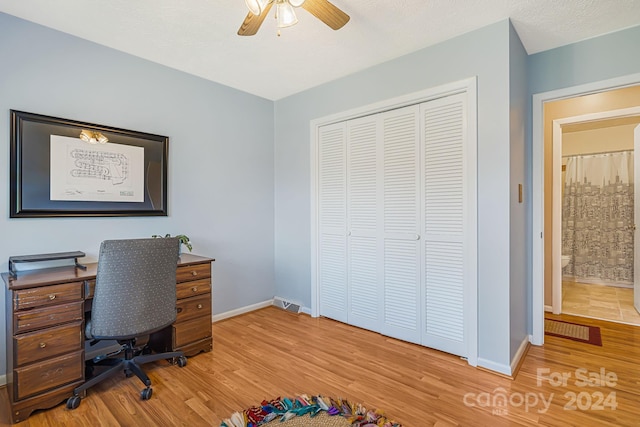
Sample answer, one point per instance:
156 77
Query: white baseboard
305 310
242 310
519 354
534 342
493 366
3 380
548 308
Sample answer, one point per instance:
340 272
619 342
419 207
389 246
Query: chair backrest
135 291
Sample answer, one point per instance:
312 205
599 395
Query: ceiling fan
286 16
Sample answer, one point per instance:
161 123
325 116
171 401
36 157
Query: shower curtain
597 218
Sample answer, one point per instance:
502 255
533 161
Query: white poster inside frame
98 173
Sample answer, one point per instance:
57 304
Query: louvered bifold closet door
332 222
363 188
401 218
444 136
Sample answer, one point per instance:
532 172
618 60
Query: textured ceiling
199 36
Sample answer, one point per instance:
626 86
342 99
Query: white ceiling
199 36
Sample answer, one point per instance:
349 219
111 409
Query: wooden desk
45 314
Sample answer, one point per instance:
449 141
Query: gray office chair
135 295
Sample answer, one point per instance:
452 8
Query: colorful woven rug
305 411
573 331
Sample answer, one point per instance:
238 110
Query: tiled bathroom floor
599 301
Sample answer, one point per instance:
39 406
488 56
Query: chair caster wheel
182 361
73 402
146 393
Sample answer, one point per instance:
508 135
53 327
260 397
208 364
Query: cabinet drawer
47 295
191 330
47 343
39 318
38 377
195 287
190 308
193 272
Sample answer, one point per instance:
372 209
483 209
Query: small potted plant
184 240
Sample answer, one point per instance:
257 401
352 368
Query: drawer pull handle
199 306
52 297
194 289
194 273
43 344
179 310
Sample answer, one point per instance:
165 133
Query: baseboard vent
286 305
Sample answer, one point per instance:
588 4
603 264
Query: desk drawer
193 288
47 295
193 272
38 377
39 318
189 308
191 330
47 343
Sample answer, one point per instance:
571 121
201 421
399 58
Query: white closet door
364 272
444 135
332 222
401 216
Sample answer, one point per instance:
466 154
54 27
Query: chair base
130 365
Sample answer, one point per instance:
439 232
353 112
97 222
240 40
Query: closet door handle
417 237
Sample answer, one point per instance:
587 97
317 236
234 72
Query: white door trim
468 86
636 218
537 229
556 252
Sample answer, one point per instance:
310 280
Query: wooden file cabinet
45 312
191 332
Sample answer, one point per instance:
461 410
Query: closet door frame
466 86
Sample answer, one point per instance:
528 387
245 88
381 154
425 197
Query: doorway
614 94
593 215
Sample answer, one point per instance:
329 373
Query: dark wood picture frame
30 169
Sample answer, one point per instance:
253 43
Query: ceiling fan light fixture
256 6
296 3
285 14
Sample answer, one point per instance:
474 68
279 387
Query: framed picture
61 168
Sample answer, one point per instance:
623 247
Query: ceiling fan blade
252 22
326 12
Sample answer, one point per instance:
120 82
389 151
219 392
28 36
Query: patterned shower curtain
597 218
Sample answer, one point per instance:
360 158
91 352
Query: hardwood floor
271 352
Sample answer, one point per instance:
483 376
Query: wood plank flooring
270 353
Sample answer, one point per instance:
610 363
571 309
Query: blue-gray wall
601 58
483 53
519 115
221 144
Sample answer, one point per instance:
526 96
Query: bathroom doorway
596 217
607 95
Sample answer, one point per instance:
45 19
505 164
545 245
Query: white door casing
537 191
556 244
636 217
